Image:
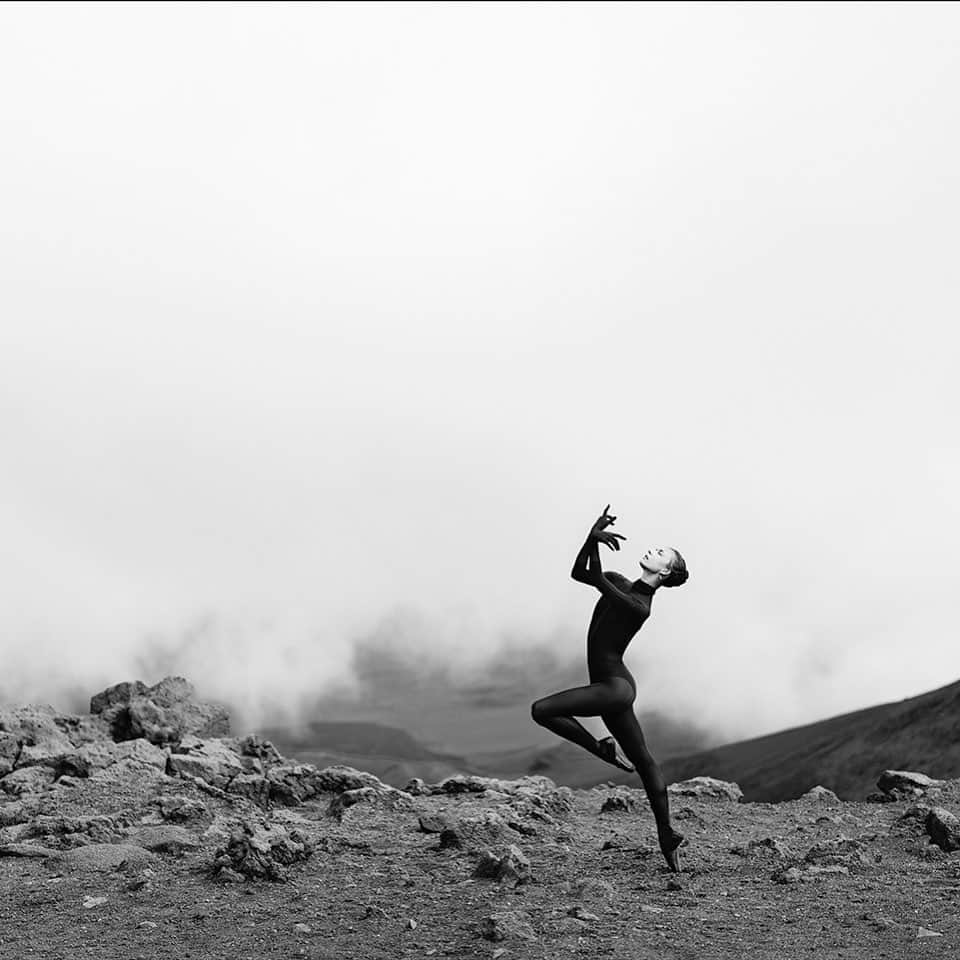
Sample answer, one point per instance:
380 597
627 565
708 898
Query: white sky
311 313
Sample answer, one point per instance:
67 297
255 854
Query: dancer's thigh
593 700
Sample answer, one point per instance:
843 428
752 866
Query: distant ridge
388 752
843 753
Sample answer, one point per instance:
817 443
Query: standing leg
557 713
626 730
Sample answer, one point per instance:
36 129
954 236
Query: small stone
147 925
302 928
411 924
498 953
646 908
90 902
789 875
924 932
674 885
618 803
507 925
432 824
375 913
811 873
580 914
450 840
511 865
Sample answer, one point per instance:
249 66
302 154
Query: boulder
944 829
118 694
256 746
162 714
9 751
163 838
821 795
619 803
295 783
706 788
483 829
102 753
32 738
107 856
384 797
258 852
252 786
509 865
74 831
773 847
27 780
181 809
843 852
905 783
338 778
507 925
210 760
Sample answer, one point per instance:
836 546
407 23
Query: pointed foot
610 753
670 844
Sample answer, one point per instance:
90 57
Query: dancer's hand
597 531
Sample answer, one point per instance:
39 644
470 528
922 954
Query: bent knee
539 712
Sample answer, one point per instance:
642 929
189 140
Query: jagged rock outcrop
255 851
162 714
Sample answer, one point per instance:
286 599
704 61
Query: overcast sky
316 318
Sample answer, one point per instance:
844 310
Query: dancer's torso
612 627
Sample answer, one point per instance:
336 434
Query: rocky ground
143 830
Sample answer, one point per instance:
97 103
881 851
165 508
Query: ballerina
620 611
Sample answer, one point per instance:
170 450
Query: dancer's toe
611 754
670 844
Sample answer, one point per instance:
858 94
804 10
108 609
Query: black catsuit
619 613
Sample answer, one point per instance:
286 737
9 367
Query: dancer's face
658 560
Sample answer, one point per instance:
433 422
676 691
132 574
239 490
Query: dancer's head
666 565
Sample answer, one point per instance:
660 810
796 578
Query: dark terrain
144 830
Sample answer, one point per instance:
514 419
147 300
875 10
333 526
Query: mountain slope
843 753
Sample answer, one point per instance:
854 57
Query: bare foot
670 844
610 752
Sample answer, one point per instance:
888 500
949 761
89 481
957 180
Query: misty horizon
327 331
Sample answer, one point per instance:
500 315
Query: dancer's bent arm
587 569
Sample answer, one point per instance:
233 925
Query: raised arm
587 568
589 555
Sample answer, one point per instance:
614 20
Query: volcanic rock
210 760
905 783
106 856
103 753
509 865
511 924
180 809
619 803
944 829
384 797
163 713
27 780
821 795
706 788
259 852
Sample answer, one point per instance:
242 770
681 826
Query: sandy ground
377 886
